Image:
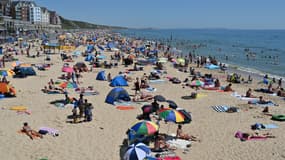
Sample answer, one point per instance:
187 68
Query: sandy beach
103 137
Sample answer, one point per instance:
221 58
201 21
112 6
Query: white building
45 16
35 15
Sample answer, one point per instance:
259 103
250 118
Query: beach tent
7 90
24 72
118 81
117 94
101 76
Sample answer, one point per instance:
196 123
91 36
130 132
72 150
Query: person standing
137 86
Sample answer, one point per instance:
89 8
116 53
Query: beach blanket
179 143
259 126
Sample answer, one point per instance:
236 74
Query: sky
231 14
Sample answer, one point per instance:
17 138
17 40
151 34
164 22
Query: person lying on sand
248 136
27 129
181 135
142 97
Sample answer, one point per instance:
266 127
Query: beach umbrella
67 69
159 98
144 128
8 72
197 83
171 115
147 108
68 85
137 152
180 61
172 104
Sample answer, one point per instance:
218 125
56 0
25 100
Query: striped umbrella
171 115
137 152
144 128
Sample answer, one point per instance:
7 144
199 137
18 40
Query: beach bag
43 132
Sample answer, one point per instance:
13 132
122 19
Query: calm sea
257 51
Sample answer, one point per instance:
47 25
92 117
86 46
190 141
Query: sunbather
228 88
249 136
143 97
27 129
181 135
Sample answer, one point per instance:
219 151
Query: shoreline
253 70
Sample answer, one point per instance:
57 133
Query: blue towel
270 126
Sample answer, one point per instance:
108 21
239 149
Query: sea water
257 51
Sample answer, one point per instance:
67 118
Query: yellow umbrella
181 61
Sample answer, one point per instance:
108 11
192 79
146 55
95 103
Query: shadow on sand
123 148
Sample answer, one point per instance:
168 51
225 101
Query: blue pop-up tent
117 94
118 81
101 76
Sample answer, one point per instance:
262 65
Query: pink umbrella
67 69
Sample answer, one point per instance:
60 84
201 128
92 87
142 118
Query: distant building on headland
25 15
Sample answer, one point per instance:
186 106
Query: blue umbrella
137 152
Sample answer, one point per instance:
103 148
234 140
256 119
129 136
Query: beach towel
259 126
150 89
18 108
268 104
122 103
125 107
220 108
179 143
243 97
157 81
50 131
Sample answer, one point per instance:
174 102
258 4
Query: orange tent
7 89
